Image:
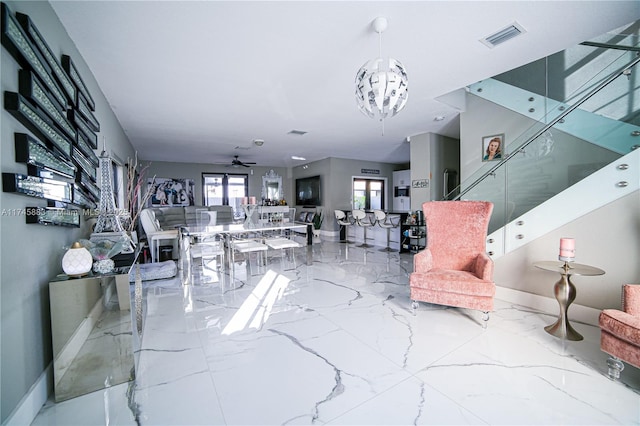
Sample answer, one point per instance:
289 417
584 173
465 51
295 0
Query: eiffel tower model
109 224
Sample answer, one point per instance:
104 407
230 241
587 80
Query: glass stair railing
577 121
588 125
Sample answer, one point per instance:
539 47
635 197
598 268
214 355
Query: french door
225 189
368 194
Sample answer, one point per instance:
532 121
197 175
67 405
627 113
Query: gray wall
31 254
337 175
531 176
431 154
194 171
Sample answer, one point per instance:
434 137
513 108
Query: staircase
579 150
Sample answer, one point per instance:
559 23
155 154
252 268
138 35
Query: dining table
227 231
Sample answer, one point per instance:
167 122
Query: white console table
267 214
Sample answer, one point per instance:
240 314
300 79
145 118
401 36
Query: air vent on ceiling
503 35
297 132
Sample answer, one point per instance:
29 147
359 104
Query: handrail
490 172
610 46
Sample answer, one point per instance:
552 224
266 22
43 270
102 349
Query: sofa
620 332
171 217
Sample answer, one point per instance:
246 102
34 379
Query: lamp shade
381 88
77 261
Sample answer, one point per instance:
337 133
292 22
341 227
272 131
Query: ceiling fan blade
236 162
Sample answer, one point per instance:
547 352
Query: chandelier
381 85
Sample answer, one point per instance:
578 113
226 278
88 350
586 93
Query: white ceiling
192 81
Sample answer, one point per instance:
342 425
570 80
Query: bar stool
344 221
363 220
386 222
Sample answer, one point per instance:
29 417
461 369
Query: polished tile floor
332 340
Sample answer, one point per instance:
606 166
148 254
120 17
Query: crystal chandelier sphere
381 88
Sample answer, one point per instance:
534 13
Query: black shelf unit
413 237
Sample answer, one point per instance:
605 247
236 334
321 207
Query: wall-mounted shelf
86 166
33 152
87 183
83 144
36 121
53 216
38 187
82 199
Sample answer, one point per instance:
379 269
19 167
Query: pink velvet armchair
454 268
620 331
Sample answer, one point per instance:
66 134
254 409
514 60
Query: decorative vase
316 233
77 261
103 266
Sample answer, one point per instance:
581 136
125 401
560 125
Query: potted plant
317 223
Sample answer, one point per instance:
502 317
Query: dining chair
207 249
246 247
283 244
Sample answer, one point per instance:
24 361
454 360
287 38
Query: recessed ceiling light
258 142
295 157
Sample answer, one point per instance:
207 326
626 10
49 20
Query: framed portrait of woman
493 147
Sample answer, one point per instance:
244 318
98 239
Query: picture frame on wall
171 192
493 147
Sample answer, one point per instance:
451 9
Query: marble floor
332 340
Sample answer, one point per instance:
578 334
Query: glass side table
565 293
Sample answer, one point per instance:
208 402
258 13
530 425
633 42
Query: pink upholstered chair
620 331
454 268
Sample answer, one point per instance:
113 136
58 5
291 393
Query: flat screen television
308 191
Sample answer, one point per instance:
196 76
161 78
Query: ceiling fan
237 163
